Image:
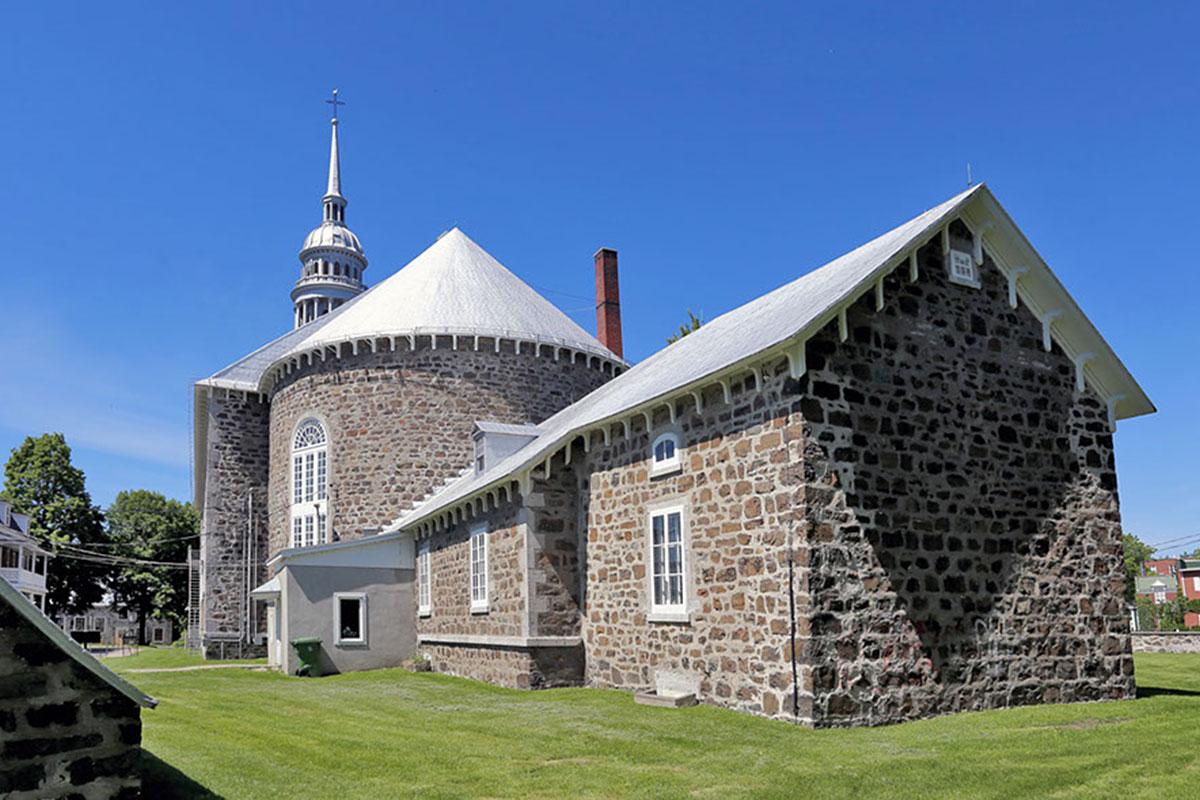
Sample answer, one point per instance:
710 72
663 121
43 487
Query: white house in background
112 628
22 562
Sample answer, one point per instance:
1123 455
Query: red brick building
1163 580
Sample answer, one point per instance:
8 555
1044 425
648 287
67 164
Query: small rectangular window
479 568
1196 583
424 576
297 532
667 563
963 270
308 530
350 618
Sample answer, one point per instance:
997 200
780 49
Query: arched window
664 454
310 479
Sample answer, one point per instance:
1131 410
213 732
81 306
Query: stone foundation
511 666
218 650
1167 642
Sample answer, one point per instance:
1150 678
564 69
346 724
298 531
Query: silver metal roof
793 312
453 287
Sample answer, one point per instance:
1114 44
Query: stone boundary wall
513 667
1166 641
63 731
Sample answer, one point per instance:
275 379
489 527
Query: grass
391 733
166 658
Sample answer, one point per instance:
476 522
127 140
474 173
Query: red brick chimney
608 301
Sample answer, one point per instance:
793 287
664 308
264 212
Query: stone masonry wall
514 667
450 587
400 422
554 543
961 504
237 462
1168 642
740 471
63 732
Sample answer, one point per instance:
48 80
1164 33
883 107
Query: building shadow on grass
1157 691
162 781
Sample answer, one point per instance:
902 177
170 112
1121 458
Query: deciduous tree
150 536
41 481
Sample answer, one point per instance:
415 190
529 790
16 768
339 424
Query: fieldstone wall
553 557
961 506
63 731
234 497
1166 642
739 477
514 667
450 571
533 590
400 422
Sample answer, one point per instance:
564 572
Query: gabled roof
59 639
781 320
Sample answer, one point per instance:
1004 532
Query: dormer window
479 459
665 454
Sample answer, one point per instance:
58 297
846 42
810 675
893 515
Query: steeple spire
332 257
335 169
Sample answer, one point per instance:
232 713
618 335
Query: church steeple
332 257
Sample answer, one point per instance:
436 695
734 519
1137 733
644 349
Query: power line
151 541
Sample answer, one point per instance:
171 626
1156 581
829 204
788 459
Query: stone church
883 491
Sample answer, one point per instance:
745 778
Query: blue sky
163 164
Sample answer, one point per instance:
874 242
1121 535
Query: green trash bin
308 652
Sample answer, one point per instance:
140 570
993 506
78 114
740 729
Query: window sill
971 284
480 609
424 612
669 468
677 617
351 643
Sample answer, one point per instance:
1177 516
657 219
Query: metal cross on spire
335 103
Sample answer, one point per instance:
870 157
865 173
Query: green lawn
248 734
165 658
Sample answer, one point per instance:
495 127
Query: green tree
150 536
693 324
39 480
1136 552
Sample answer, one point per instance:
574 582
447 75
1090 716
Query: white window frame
667 465
310 485
424 579
477 587
968 275
668 612
338 597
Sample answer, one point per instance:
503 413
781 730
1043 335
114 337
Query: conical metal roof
453 287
